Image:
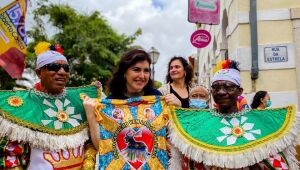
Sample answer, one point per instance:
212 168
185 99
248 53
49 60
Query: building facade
264 36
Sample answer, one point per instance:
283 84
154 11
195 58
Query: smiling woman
132 76
179 82
130 79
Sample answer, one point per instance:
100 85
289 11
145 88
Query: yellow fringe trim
42 128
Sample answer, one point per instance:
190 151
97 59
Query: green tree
89 42
157 84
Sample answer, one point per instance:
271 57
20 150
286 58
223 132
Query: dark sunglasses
57 66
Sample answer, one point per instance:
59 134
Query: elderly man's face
225 93
54 77
199 93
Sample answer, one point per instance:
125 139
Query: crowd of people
139 127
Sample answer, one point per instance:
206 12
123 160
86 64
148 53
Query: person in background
199 97
261 100
179 82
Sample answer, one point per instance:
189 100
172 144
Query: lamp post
154 54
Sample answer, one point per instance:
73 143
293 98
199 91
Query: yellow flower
15 101
62 116
42 47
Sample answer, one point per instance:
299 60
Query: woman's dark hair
117 84
187 68
257 98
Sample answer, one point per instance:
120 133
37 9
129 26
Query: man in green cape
47 122
226 138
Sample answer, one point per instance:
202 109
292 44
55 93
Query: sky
163 22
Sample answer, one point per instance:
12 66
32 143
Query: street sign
200 38
276 54
204 11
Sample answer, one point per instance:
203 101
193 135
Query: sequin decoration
138 127
62 116
15 101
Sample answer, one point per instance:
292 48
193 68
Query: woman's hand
89 106
171 99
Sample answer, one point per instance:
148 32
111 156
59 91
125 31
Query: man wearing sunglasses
230 138
53 72
49 118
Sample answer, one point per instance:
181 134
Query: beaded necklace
214 112
49 96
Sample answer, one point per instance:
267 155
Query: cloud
164 24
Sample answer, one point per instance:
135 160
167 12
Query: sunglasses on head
57 66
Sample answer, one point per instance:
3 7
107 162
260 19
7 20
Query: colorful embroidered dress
55 127
133 133
262 138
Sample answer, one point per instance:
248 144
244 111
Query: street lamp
154 54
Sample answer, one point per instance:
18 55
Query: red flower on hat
59 49
226 64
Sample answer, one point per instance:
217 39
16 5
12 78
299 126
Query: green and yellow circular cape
43 120
234 141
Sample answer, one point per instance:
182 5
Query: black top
149 92
185 103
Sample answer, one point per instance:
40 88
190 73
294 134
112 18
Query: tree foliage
157 84
89 42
